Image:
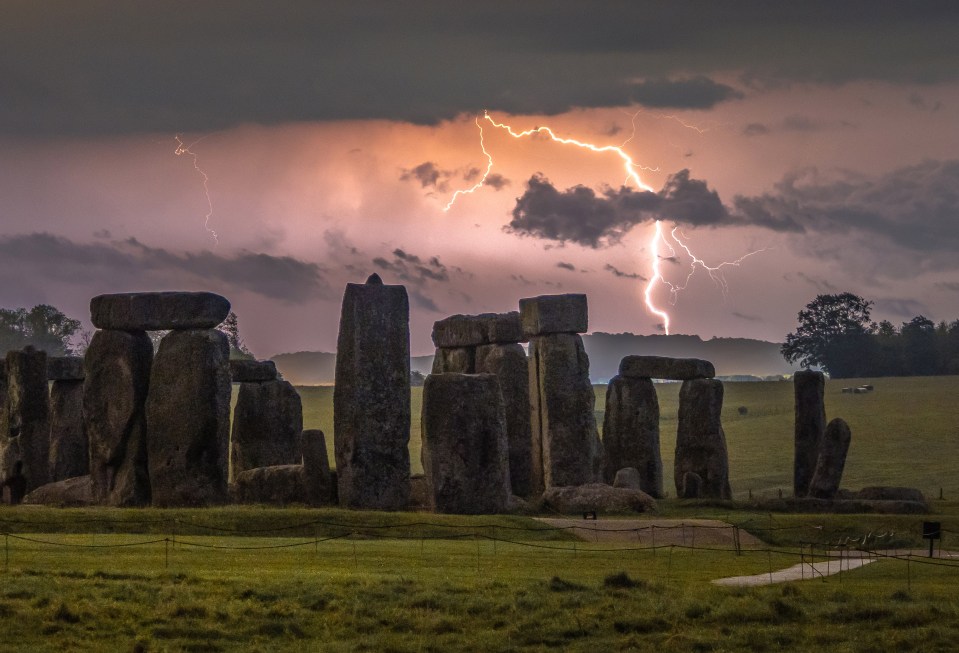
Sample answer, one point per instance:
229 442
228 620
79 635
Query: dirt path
803 571
657 532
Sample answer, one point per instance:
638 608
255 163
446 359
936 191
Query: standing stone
116 379
25 431
371 399
700 440
267 422
832 460
565 442
65 368
454 360
631 432
511 368
809 388
158 311
316 467
188 419
548 314
252 371
465 450
69 447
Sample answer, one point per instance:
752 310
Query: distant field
904 433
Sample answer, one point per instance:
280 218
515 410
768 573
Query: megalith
465 450
116 380
25 427
508 363
700 440
316 467
810 424
371 398
158 311
188 419
831 461
267 422
69 447
565 442
631 432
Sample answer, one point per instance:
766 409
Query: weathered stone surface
549 314
371 400
832 460
662 367
117 377
565 443
65 368
267 423
458 331
316 468
69 492
460 360
631 432
887 493
465 451
810 425
420 495
274 485
69 447
597 497
511 368
519 506
700 440
691 486
25 426
188 419
629 478
158 311
252 371
474 330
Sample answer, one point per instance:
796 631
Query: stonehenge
371 398
127 426
566 449
489 344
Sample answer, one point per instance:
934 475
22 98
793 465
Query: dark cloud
107 67
566 266
747 318
625 275
794 123
427 174
914 208
695 93
416 270
133 265
755 129
581 216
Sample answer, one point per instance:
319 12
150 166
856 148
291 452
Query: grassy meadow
903 433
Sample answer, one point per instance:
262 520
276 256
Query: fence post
166 553
6 548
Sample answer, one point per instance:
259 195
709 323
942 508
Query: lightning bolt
631 169
182 149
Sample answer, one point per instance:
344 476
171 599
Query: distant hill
731 356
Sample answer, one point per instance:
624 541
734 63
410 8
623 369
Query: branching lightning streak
630 167
479 184
182 149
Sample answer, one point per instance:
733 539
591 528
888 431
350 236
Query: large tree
43 327
833 334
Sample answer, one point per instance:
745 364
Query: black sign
931 530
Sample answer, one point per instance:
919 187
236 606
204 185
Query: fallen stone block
597 497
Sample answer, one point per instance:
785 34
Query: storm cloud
580 215
110 67
132 265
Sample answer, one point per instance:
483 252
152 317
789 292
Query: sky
275 151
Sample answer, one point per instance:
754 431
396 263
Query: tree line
836 334
47 328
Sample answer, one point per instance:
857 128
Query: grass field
903 433
97 590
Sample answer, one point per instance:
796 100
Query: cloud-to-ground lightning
631 169
181 149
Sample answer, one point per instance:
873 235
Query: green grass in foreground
904 433
403 595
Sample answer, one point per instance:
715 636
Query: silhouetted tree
231 327
833 334
43 326
919 348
